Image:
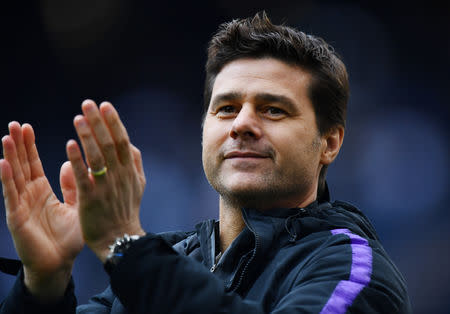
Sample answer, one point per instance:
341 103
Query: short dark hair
257 37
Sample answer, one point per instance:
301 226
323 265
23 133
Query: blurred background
147 58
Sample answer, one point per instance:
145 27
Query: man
275 103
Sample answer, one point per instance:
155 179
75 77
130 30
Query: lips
245 154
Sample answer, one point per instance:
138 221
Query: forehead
269 75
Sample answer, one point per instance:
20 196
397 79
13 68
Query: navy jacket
325 258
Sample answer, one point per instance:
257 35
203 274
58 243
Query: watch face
116 251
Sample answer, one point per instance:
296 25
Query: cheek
208 143
211 143
205 150
214 133
295 148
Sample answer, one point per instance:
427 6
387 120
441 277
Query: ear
332 143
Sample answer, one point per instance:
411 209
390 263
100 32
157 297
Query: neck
231 222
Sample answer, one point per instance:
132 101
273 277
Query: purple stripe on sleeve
346 291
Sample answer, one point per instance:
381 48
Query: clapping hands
97 207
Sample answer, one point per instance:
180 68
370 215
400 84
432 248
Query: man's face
261 146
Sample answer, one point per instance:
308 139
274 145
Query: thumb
68 185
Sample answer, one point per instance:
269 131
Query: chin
248 194
247 184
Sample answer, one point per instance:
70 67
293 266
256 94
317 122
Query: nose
246 124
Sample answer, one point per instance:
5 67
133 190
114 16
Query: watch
116 251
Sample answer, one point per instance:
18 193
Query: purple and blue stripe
346 291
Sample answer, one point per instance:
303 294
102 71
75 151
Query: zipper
293 235
234 287
216 262
243 273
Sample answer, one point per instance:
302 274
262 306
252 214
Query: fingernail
108 110
12 123
71 145
80 121
89 107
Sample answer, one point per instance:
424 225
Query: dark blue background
148 58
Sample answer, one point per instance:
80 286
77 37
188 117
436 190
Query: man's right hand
46 232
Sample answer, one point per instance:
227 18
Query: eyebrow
258 98
274 98
231 96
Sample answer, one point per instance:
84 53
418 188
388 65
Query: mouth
245 155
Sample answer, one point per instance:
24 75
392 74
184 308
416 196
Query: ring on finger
98 173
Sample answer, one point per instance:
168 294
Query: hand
46 232
109 203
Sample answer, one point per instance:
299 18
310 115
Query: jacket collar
264 231
325 195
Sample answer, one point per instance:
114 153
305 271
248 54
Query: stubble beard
273 187
269 188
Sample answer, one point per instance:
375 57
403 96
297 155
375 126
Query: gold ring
98 173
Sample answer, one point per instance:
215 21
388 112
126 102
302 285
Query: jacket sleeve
153 278
20 301
341 279
98 304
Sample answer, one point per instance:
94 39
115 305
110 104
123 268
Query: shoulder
353 250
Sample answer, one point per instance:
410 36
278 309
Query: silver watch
117 249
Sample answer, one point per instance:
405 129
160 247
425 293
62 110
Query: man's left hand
111 189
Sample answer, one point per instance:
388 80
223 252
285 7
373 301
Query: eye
225 111
275 112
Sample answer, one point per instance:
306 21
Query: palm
43 226
46 232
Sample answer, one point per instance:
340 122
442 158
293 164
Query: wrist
117 250
103 250
47 288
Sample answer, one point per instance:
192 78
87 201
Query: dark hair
257 37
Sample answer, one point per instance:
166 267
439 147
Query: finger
10 154
137 157
81 175
68 184
101 133
36 169
10 193
16 133
92 152
118 132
